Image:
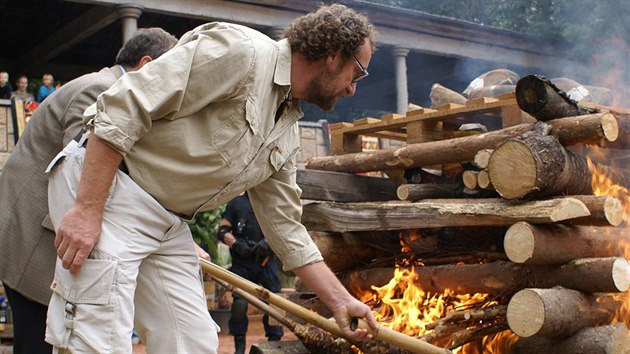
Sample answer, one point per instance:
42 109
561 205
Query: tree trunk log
605 211
588 275
554 312
582 129
540 98
470 179
344 187
482 157
559 244
343 251
483 179
415 192
538 166
610 339
343 217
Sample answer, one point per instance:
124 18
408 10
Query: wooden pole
411 344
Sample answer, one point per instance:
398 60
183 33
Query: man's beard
317 94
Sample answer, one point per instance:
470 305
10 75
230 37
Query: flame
604 182
402 306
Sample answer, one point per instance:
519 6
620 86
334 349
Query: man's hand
201 253
355 309
243 248
77 235
261 251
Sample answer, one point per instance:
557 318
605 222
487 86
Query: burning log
538 166
342 251
559 244
582 129
610 339
455 325
539 97
588 275
554 312
415 192
343 217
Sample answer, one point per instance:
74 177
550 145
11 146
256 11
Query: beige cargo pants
143 250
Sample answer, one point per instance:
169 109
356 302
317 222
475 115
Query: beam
67 37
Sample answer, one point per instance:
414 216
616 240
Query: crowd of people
22 91
97 192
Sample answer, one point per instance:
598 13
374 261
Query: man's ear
144 60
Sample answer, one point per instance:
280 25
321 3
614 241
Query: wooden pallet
426 124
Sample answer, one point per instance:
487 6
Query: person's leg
268 278
171 310
29 324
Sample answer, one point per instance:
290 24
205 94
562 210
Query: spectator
47 87
21 90
27 253
253 260
5 86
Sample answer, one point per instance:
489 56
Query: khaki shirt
197 127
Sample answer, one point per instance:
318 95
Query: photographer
252 259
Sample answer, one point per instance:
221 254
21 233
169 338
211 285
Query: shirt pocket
233 139
281 156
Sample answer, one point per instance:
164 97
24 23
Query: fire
402 306
603 183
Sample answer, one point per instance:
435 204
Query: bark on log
441 95
505 278
554 312
559 244
344 187
343 251
343 217
540 98
582 129
538 166
415 192
609 339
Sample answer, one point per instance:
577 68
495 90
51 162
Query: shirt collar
282 74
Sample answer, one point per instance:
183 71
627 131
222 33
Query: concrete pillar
129 15
400 66
276 33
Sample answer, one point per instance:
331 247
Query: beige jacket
197 127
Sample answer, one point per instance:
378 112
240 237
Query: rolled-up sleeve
277 206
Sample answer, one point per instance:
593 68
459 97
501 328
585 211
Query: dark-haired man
27 252
215 116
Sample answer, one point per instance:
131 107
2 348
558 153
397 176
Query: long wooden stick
386 335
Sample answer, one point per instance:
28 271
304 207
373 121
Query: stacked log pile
520 223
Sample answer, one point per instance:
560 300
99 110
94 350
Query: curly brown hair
329 30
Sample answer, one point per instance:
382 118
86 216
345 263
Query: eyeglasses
364 73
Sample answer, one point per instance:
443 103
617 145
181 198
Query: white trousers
143 250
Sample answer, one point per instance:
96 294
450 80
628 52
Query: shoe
273 339
239 345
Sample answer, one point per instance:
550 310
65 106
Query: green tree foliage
204 229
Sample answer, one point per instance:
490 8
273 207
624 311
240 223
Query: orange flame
402 306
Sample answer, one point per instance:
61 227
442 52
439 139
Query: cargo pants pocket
81 311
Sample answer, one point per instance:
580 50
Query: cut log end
470 179
621 274
519 242
512 170
402 192
613 209
569 208
526 313
610 127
